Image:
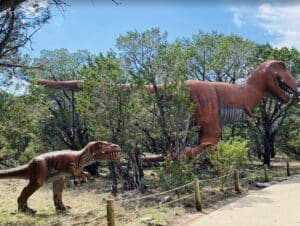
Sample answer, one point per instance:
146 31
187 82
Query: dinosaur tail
73 85
20 172
76 85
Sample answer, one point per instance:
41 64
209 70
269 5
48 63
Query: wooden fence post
237 181
110 215
266 172
197 195
288 173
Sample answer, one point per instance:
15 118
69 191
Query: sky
95 26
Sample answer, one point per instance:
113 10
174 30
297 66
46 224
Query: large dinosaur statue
54 166
217 102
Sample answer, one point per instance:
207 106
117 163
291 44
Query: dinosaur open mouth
286 89
114 155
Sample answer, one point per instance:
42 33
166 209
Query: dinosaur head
104 151
280 83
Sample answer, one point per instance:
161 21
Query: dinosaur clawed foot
190 153
25 209
62 209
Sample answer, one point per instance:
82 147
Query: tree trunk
137 168
272 148
267 149
114 178
127 180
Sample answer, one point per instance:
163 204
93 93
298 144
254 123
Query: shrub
229 155
174 173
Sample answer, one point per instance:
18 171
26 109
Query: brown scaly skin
54 166
271 77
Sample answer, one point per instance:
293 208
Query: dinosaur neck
244 96
84 158
255 88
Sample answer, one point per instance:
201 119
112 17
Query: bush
174 173
229 155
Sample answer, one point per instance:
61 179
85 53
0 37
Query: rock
149 221
157 224
264 184
167 199
280 179
146 219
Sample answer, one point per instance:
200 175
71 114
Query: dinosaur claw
27 210
62 209
189 153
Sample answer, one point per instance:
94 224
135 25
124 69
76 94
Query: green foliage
61 127
157 121
174 173
149 59
19 116
292 135
295 141
104 105
229 155
217 57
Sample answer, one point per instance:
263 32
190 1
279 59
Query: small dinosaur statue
218 102
55 166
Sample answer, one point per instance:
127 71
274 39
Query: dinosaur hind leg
25 194
37 171
209 137
58 187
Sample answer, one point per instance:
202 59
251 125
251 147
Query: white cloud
281 21
237 17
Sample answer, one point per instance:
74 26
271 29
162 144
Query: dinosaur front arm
72 169
251 114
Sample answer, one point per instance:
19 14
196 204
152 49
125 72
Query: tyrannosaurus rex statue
54 166
217 102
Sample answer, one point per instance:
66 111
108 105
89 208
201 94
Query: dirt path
277 205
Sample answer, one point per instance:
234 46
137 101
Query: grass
88 201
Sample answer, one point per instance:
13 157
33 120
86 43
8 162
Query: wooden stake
288 173
197 196
266 172
237 181
110 212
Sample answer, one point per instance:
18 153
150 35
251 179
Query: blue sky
95 27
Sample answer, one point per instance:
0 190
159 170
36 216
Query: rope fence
200 193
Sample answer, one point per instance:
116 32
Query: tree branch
11 65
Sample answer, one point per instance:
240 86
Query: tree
217 57
64 128
8 4
150 60
18 23
19 116
108 111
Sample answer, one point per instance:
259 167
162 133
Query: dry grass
88 203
